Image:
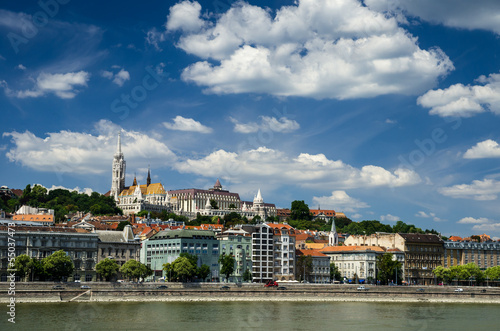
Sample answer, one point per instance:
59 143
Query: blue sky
382 109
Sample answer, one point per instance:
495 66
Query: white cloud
465 14
307 170
491 227
483 149
315 48
62 85
1 57
21 67
486 189
471 220
340 201
464 101
389 218
119 78
84 153
86 190
282 124
430 215
185 16
187 124
154 38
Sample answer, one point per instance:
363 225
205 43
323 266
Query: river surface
201 316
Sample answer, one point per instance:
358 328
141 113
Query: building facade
238 245
190 202
41 242
166 246
320 273
355 261
483 254
120 246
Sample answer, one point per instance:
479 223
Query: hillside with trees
63 202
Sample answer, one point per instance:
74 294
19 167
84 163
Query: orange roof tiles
311 252
339 249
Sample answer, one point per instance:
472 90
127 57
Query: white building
273 252
190 202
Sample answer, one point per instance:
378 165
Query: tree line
62 201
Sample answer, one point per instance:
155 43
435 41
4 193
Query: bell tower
118 171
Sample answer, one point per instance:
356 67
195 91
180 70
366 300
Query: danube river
218 316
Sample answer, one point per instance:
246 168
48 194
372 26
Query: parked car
281 288
225 288
85 287
78 281
58 287
363 288
459 289
420 290
162 287
271 283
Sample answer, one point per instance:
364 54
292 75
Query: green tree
135 270
387 268
493 273
58 265
300 210
304 267
107 268
227 265
334 272
203 272
183 268
22 265
192 258
247 275
122 225
232 206
213 203
169 272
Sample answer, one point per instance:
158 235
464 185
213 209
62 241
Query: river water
201 316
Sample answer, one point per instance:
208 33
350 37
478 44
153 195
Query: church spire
148 181
119 144
135 181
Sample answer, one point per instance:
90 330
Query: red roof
311 252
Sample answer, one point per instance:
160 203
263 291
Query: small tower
217 186
118 171
333 237
148 181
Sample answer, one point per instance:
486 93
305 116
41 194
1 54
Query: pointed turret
208 206
333 237
148 181
218 185
258 199
135 181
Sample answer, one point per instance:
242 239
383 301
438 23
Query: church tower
118 171
333 237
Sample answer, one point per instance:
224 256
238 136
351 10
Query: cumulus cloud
487 227
267 123
21 67
464 101
187 124
315 48
465 14
487 189
389 218
423 214
340 201
119 78
472 220
84 153
483 149
307 170
62 85
86 190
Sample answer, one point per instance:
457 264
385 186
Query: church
135 198
187 202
